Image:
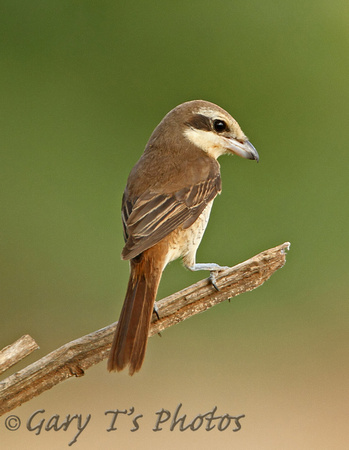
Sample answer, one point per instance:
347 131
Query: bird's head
212 129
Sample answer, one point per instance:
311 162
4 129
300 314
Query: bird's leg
212 267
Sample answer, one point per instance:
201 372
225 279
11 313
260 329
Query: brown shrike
165 209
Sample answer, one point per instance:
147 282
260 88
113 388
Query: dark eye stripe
200 122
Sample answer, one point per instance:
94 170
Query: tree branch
13 353
73 358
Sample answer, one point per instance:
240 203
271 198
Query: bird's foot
156 310
213 280
213 268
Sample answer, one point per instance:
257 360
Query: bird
165 210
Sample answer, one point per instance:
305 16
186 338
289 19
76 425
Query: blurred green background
83 84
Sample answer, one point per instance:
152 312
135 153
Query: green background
83 84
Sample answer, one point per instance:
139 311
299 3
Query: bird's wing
151 217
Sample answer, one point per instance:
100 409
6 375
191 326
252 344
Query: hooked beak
243 149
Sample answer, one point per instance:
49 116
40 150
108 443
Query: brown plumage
165 209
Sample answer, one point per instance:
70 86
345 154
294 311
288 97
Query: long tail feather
131 336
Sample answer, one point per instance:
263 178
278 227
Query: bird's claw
213 280
156 311
213 273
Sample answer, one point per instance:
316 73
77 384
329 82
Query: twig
13 353
73 358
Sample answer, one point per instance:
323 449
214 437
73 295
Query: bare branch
13 353
73 358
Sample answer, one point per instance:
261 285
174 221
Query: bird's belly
183 243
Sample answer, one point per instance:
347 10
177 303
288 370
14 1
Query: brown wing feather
151 217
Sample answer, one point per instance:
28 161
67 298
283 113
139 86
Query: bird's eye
219 126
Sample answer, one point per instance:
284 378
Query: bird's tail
131 335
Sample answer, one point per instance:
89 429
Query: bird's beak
243 149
